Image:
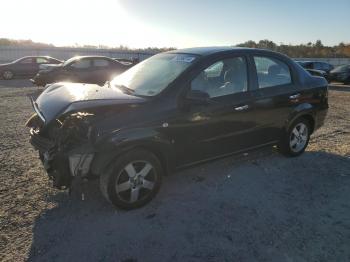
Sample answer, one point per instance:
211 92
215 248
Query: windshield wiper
126 89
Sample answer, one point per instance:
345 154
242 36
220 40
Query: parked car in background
173 110
341 74
317 68
315 72
26 66
83 69
317 65
132 61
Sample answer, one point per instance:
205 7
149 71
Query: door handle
241 108
294 96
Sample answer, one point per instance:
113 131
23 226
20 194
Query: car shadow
258 206
344 88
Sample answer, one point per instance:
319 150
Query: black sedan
82 69
317 68
341 74
26 66
174 110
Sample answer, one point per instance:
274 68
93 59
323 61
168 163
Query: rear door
276 94
102 70
80 71
41 61
27 67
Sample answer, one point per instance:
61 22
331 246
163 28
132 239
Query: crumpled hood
61 98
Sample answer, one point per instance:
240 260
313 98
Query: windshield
154 74
343 68
69 60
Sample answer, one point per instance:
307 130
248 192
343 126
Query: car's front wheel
7 74
133 180
295 140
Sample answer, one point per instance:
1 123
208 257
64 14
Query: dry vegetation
300 214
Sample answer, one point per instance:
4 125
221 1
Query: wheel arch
305 111
311 119
105 158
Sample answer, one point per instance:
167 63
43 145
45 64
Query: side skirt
226 155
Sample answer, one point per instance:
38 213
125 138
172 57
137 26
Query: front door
223 125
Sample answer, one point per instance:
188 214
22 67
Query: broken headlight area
75 129
65 147
34 122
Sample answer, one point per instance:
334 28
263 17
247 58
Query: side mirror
197 97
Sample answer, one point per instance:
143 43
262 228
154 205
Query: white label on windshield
184 58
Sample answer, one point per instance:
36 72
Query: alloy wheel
298 137
7 75
135 181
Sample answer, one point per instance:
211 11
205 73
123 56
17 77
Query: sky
176 23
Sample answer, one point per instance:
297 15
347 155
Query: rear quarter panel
312 102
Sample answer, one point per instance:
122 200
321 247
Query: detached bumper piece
40 143
79 164
56 165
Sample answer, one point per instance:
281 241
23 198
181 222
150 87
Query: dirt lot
256 207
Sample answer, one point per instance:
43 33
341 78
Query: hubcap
135 181
298 137
8 75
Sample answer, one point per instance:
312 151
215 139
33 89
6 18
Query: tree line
310 49
30 43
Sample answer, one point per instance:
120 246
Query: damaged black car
171 111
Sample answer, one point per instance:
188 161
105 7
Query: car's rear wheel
133 180
295 140
7 74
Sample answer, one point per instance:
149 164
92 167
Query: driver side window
224 77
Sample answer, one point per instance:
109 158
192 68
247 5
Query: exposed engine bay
65 146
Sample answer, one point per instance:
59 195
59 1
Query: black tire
118 173
7 75
289 137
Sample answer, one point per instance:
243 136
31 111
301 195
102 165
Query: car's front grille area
40 143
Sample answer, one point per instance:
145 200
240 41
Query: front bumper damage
62 163
62 167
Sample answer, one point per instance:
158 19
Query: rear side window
318 66
272 72
41 60
27 61
327 67
81 64
101 63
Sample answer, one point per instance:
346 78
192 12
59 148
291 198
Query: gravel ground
256 207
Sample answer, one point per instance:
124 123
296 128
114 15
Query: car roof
37 56
89 56
310 61
204 51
